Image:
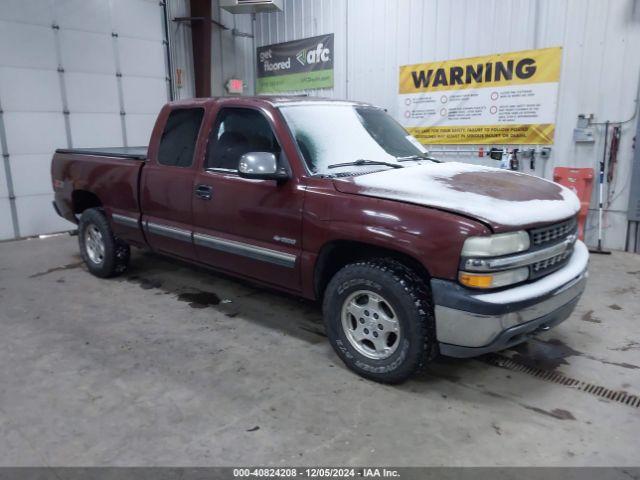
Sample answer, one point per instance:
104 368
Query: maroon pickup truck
334 201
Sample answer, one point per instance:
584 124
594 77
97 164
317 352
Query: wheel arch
338 253
82 200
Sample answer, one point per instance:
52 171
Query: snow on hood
499 197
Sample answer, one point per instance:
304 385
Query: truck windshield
331 134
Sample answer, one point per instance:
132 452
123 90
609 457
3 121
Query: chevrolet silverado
332 200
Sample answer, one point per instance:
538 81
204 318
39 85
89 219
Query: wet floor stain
631 345
69 266
145 283
615 307
557 413
171 277
547 355
318 332
551 354
630 366
588 317
624 290
495 395
199 299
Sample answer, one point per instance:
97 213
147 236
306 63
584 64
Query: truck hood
500 198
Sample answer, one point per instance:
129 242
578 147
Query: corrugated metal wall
181 51
600 68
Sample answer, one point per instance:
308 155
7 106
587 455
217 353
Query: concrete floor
169 365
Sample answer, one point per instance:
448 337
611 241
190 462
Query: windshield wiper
362 161
412 158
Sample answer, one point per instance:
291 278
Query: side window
179 137
238 131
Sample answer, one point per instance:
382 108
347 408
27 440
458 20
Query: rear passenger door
167 182
246 226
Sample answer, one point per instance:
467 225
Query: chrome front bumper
468 325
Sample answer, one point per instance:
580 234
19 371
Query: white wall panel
30 132
92 92
4 192
6 228
88 15
144 95
35 42
96 129
139 128
31 174
600 65
137 18
29 90
37 12
36 216
141 57
87 52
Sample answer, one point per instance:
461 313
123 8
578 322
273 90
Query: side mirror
261 166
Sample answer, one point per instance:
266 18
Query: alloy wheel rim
370 324
94 244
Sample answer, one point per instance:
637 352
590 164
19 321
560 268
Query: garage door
73 73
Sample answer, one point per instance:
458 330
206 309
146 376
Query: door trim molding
124 220
166 231
246 250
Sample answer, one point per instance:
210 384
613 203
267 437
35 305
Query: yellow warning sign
507 98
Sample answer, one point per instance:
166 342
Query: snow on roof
297 101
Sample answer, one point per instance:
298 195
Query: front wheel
379 319
104 254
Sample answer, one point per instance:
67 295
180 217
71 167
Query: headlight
495 279
496 245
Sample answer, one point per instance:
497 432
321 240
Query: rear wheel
379 319
104 254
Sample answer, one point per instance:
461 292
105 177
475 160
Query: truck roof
271 100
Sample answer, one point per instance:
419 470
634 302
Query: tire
104 254
388 290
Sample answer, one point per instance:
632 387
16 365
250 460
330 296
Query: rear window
178 142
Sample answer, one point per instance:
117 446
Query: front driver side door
248 227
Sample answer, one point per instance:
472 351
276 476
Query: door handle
204 192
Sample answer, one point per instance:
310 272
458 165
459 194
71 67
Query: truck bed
132 153
97 176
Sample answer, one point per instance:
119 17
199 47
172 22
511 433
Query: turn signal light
475 281
494 279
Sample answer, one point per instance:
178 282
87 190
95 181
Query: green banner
295 81
302 64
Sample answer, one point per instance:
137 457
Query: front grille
547 236
545 267
555 233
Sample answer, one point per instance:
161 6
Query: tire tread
419 293
117 252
